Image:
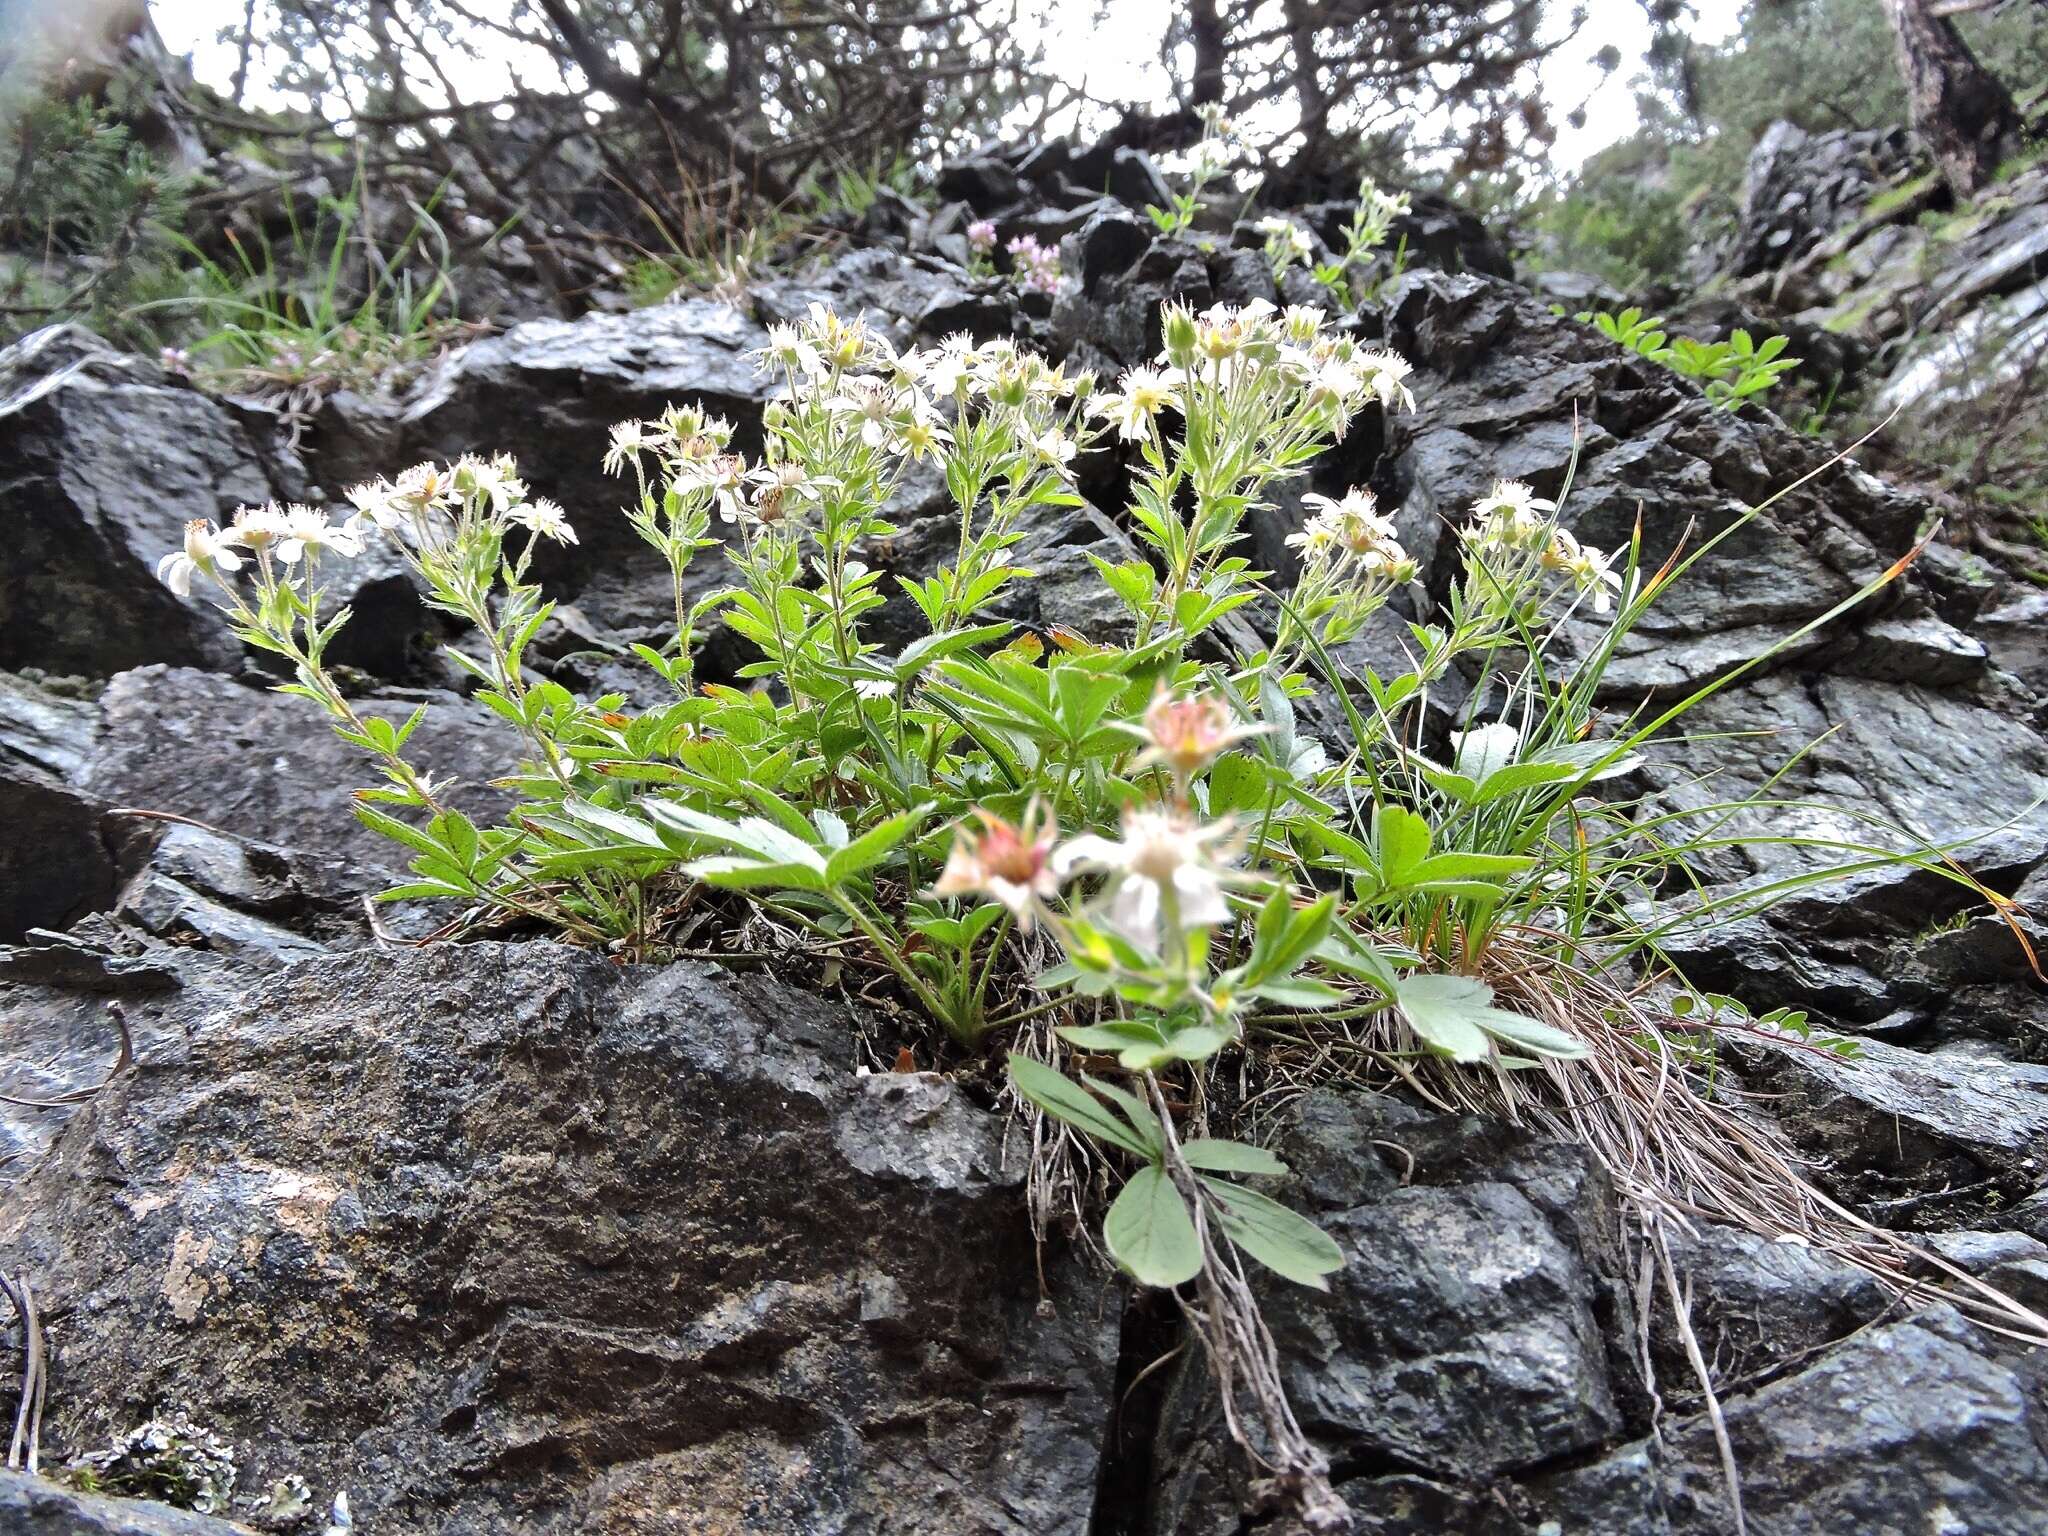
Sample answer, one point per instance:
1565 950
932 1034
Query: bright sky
1118 58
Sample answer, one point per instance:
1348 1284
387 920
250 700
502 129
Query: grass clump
1121 860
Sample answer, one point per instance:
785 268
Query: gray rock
549 392
35 1506
55 861
264 766
106 459
1801 187
1907 1427
508 1236
1943 1134
1470 1333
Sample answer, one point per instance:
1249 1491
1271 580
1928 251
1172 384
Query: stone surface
103 460
1907 1427
1472 1332
35 1506
504 1237
264 766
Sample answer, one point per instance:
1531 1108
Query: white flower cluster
1260 347
1286 242
427 505
287 534
1352 531
851 396
1513 526
424 507
1376 213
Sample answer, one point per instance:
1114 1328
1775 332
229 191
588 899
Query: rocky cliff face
509 1238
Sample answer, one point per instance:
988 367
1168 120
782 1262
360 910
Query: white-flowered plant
1118 854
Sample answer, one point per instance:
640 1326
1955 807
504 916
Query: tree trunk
1960 110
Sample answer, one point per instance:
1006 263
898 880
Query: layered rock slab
508 1237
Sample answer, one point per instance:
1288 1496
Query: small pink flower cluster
1037 266
981 236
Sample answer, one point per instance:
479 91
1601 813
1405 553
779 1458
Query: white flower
919 437
1302 322
307 532
781 490
629 441
495 481
206 551
1011 863
1054 449
1169 874
1385 375
725 476
1286 238
258 529
873 402
1595 573
425 488
1512 515
1145 393
546 519
376 503
947 367
788 348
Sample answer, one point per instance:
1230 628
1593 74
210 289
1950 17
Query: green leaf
1149 1232
873 845
1455 1017
1285 1241
1441 1010
921 652
1402 838
1230 1157
1068 1102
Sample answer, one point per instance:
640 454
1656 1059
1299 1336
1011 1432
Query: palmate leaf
1149 1232
1454 1016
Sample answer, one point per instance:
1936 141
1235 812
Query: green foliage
89 210
957 811
1634 210
330 310
1619 226
1733 372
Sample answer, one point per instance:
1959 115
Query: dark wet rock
1907 1427
36 1506
1890 1126
549 392
509 1236
985 183
1470 1334
45 728
105 461
1800 187
55 861
264 766
1759 1302
62 1014
1435 232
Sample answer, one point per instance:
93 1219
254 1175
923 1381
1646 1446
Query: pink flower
981 236
1011 863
